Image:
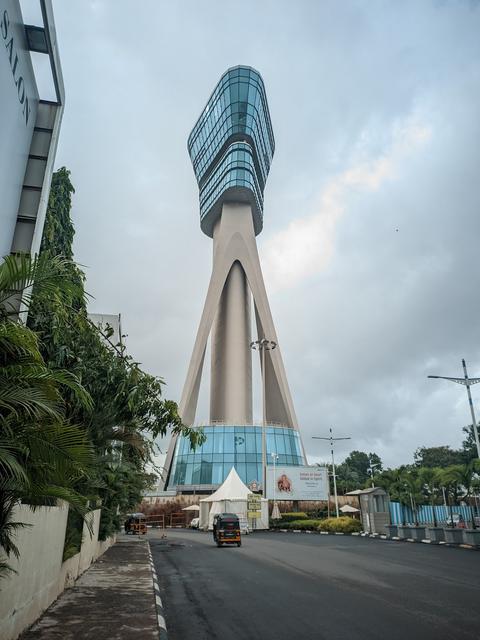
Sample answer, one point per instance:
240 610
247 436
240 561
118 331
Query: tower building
231 147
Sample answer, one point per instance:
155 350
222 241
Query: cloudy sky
372 226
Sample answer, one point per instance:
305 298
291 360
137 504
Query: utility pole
332 440
467 382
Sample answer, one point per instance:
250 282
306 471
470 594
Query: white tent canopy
232 488
231 497
192 507
349 509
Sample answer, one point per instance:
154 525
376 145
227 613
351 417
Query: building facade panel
18 110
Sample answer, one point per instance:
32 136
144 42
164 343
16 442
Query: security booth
374 504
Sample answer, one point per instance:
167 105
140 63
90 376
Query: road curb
377 536
162 625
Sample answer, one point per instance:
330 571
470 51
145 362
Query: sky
371 220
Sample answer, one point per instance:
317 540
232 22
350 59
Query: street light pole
275 513
468 382
264 345
332 440
371 470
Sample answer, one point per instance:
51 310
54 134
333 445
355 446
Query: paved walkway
112 600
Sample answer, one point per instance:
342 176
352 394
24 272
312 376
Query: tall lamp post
371 470
468 382
275 511
332 440
264 345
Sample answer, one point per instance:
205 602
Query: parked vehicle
194 523
456 520
226 529
136 523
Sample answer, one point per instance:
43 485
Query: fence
402 513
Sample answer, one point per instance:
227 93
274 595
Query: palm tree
461 479
430 479
42 458
452 478
394 481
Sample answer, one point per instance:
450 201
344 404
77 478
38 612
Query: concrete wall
41 575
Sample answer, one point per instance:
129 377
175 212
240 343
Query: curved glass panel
237 111
231 446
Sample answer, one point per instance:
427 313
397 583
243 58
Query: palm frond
18 274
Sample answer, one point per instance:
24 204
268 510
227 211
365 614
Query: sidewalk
112 600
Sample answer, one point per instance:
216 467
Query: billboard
297 483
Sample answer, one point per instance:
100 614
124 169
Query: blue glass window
240 447
239 92
218 441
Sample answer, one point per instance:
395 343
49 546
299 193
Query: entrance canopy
232 489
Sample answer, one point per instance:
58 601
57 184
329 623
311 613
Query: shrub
73 535
303 525
340 525
316 514
289 517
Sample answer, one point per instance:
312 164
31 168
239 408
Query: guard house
374 504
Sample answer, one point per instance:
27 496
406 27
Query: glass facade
232 145
228 446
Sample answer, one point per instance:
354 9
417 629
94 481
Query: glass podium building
228 446
231 147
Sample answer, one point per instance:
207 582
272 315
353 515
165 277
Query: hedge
343 524
289 517
303 525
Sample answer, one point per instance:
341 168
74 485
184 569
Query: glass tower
231 147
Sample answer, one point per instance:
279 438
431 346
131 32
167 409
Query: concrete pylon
234 242
236 274
231 147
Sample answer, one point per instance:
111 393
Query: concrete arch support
236 277
235 263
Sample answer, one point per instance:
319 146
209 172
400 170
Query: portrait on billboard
284 484
297 483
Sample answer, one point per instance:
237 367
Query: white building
32 98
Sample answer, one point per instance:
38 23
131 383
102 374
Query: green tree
469 446
128 411
356 470
42 456
431 482
460 481
432 457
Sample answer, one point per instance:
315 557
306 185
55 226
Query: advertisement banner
297 483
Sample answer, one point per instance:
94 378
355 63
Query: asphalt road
283 586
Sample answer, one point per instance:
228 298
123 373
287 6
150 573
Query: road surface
280 586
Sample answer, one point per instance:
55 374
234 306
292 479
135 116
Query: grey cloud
360 335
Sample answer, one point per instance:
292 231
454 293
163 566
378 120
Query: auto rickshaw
136 523
226 529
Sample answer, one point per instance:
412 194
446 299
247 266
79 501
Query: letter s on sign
5 24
